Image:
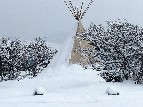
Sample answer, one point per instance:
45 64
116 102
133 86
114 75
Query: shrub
119 46
17 57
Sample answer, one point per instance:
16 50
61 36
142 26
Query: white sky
27 19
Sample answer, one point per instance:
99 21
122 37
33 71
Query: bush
119 46
112 76
17 57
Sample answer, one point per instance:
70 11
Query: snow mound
39 91
111 90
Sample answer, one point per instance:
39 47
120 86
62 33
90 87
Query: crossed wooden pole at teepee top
78 13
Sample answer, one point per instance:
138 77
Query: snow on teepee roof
64 51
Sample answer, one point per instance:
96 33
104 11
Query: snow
63 54
69 86
111 90
39 91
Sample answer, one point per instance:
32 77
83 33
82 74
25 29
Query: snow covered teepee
79 43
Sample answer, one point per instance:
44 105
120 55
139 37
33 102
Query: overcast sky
27 19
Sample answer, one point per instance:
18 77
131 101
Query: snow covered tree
17 58
39 55
120 47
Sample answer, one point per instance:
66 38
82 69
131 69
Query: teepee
76 55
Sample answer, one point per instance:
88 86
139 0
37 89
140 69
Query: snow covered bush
38 56
120 47
111 90
39 91
112 76
17 57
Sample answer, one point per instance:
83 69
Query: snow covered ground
69 87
